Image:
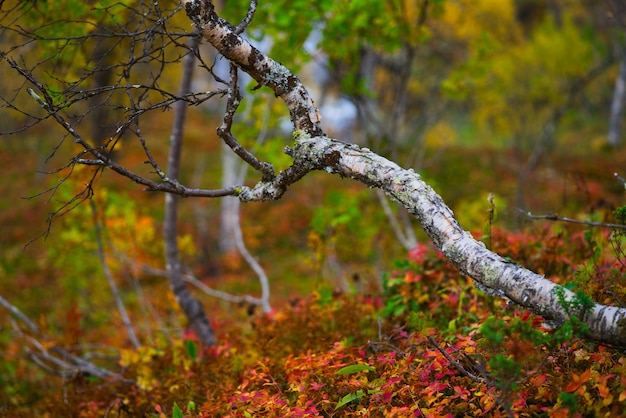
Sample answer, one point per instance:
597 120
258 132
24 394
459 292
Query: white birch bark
264 70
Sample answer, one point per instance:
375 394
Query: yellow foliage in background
473 212
141 359
515 87
471 20
440 135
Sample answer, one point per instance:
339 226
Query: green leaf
176 412
349 398
355 368
399 310
452 325
192 349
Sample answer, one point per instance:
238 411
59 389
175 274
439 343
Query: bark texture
314 151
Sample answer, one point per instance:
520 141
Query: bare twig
102 158
152 319
406 237
222 295
485 377
15 311
110 280
456 364
554 217
224 131
191 279
56 360
247 18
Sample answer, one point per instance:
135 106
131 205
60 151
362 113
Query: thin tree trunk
192 308
617 106
227 242
252 262
404 233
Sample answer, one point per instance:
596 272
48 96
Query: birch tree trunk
314 151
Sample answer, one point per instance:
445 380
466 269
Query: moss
621 326
490 276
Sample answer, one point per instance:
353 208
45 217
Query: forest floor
353 312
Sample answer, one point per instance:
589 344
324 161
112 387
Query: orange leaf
577 381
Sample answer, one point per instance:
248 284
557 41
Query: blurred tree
520 83
617 17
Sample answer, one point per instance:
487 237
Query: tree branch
101 158
219 294
313 151
555 217
15 311
55 359
225 132
267 72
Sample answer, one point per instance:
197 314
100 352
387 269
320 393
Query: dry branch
110 280
51 358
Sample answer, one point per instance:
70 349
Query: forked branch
267 72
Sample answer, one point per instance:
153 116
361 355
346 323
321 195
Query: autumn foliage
505 97
428 344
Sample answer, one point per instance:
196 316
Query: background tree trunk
226 242
193 309
617 105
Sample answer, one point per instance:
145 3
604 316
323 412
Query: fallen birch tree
314 151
